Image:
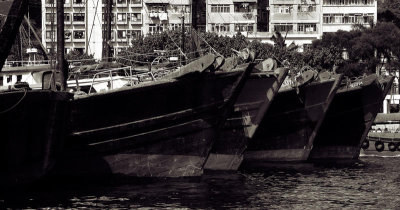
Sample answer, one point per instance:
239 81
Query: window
136 33
348 2
178 26
50 17
243 27
121 17
136 17
180 8
67 34
112 17
220 28
78 1
50 35
9 78
157 8
79 17
306 27
50 2
220 8
283 9
136 1
348 18
307 47
306 8
157 28
283 27
67 17
121 34
121 1
80 50
1 80
79 34
19 78
244 7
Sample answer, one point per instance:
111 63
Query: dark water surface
371 183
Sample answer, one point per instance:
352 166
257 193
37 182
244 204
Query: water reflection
369 183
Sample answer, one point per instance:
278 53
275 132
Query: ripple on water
370 183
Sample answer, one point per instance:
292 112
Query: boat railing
127 73
28 63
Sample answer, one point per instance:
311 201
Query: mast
107 34
62 64
37 38
183 33
11 27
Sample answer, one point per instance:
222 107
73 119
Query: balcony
159 15
122 3
68 36
156 1
136 3
79 36
136 18
122 18
78 3
67 3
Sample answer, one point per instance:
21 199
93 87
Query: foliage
82 57
366 47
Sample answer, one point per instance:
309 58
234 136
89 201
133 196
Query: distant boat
384 137
159 129
288 129
254 100
32 122
350 117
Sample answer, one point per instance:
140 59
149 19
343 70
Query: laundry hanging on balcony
163 16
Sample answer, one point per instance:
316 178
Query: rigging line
176 44
206 42
29 36
91 30
15 105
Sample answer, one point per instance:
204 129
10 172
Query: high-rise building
299 21
343 14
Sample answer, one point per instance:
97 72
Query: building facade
343 14
300 21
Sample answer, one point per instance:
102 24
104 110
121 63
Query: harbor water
370 183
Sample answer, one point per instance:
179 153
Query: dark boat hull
165 129
32 131
348 121
253 101
287 131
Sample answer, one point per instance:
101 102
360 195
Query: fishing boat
384 137
288 129
249 109
350 117
32 121
163 128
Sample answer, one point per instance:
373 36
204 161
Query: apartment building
343 14
82 26
300 21
228 17
164 15
85 25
